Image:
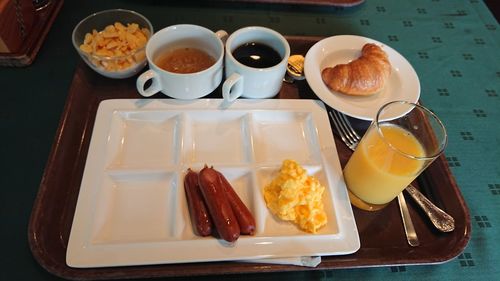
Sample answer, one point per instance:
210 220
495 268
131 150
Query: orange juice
381 168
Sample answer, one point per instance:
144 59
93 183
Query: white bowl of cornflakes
113 42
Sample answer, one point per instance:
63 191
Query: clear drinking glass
400 143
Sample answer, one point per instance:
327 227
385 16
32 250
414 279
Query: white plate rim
364 108
81 254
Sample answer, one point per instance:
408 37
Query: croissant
363 76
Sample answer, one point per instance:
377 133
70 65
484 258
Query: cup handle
232 87
155 85
222 34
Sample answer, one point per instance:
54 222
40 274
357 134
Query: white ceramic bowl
99 21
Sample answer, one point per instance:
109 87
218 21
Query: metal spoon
411 235
439 218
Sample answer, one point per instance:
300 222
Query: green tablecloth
453 45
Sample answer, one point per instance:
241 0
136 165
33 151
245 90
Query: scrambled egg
295 196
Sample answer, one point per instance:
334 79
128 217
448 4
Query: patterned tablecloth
454 47
452 44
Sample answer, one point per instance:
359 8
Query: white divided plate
403 84
132 209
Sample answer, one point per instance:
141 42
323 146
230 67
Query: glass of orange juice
403 139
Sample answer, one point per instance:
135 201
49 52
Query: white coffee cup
253 82
185 86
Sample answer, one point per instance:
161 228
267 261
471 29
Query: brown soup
184 60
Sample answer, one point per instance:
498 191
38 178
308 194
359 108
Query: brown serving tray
383 242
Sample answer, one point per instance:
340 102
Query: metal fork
439 218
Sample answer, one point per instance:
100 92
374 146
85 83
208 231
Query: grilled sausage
215 197
200 219
245 218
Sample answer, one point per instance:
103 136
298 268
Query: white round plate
403 84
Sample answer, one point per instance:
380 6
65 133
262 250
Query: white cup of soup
185 62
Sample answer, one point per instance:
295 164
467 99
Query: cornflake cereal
117 42
295 196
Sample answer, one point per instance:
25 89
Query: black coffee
256 55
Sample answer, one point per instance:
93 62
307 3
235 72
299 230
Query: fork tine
346 130
337 126
351 130
343 130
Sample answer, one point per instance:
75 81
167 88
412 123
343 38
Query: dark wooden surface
43 21
336 3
